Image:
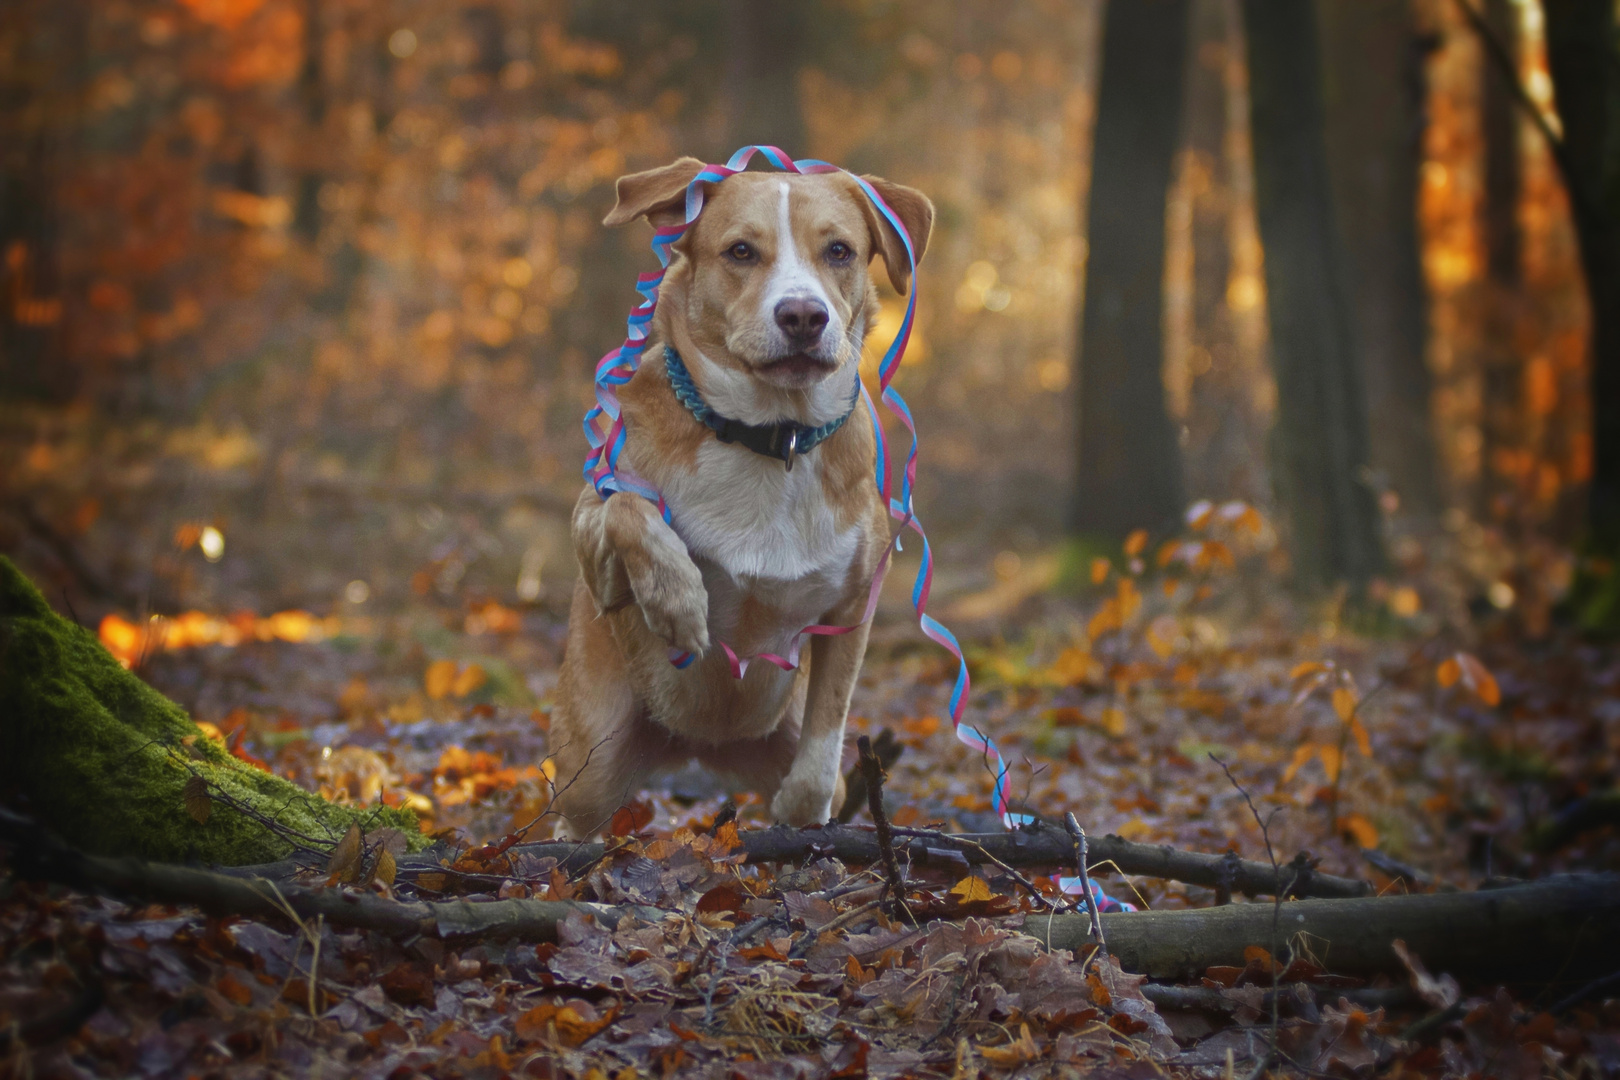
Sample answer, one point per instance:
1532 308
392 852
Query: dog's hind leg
762 764
603 745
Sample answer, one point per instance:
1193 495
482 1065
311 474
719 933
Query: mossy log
103 759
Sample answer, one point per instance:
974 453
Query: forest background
1266 369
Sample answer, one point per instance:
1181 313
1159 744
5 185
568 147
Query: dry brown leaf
344 865
198 802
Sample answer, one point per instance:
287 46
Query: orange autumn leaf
1448 673
1362 831
1099 570
1309 667
971 888
1358 731
920 726
1478 679
467 680
1018 1052
1130 600
1344 702
726 840
906 815
1135 542
233 990
571 1026
1162 634
1302 754
631 819
1113 721
1105 619
439 679
1331 760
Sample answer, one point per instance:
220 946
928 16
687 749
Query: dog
760 321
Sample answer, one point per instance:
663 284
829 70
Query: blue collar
782 440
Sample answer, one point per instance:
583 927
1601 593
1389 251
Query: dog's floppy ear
915 212
659 194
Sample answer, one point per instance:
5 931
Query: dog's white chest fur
753 518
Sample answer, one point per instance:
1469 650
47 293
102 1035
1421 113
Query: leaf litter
1437 749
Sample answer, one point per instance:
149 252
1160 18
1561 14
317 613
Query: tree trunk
762 76
47 71
1586 85
1502 420
1375 93
1320 449
1128 463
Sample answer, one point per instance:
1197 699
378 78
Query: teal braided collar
782 440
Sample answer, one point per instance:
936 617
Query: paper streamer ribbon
604 431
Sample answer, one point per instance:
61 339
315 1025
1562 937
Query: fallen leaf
1020 1051
344 865
971 888
631 819
468 680
1360 829
198 803
233 990
439 678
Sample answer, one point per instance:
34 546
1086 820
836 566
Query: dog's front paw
802 801
675 604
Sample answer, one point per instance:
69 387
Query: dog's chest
754 519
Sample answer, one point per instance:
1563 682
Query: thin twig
872 769
966 844
1079 835
1276 915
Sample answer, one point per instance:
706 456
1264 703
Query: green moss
102 758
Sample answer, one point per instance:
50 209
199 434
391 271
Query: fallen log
1560 928
1565 927
37 857
1044 845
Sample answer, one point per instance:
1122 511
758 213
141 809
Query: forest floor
1450 751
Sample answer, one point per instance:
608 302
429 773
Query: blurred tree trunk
1502 405
1375 94
312 103
1223 449
1320 450
762 75
1581 53
37 83
1128 462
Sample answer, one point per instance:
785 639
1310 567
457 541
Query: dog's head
772 280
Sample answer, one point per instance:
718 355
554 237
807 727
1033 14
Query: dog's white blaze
790 275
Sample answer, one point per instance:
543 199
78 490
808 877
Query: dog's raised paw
676 606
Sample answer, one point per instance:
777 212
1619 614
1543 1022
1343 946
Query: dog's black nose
801 319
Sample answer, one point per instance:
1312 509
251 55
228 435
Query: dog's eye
740 251
838 251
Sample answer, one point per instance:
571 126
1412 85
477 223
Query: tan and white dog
767 301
